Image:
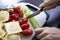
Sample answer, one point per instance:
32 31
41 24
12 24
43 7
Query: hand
48 33
48 4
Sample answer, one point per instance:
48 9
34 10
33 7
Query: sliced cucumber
32 20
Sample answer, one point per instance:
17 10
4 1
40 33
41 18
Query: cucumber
32 20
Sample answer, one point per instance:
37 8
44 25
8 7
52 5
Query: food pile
13 23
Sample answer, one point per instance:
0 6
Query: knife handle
41 9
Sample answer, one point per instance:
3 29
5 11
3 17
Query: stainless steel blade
35 13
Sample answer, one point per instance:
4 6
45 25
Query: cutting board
41 18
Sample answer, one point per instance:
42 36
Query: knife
35 13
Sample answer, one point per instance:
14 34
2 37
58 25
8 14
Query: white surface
41 18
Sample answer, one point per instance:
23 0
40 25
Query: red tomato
21 22
16 9
25 20
20 12
15 16
11 11
27 32
25 26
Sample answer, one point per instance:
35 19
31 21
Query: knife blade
35 13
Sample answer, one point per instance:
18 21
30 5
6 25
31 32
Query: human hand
48 4
48 33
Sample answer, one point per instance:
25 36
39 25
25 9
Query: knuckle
45 32
50 36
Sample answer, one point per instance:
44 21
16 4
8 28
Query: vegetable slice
32 20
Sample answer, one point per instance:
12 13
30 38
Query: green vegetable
32 20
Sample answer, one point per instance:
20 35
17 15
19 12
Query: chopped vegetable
25 20
32 20
16 9
27 32
25 26
21 22
20 12
15 16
